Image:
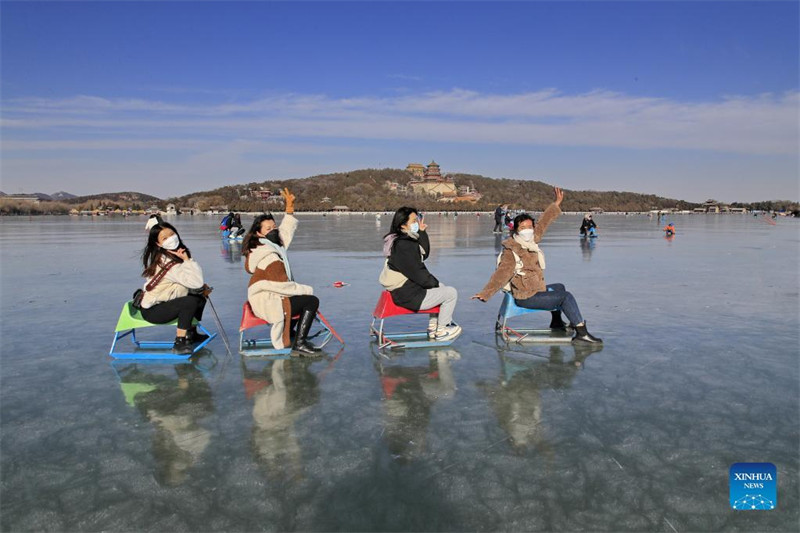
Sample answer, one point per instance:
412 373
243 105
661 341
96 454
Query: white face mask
414 228
171 243
526 234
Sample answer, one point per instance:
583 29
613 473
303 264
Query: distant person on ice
588 224
522 266
272 292
406 247
498 218
232 224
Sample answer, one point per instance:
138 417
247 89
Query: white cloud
172 147
763 124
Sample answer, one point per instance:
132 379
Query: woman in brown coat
520 270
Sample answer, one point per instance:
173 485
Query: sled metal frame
386 308
509 309
130 319
263 347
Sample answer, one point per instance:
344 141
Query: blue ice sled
130 319
509 309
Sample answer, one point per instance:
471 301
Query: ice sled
386 308
227 235
509 309
321 333
130 319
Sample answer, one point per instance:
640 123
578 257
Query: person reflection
231 251
587 246
516 398
498 242
175 405
281 391
409 392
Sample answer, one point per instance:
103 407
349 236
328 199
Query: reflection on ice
698 371
516 398
176 399
409 393
281 390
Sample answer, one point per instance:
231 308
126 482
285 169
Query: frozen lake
699 371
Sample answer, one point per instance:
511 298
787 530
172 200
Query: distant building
395 187
417 170
261 194
434 183
712 206
171 209
326 200
341 208
28 199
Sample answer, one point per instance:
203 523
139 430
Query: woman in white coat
272 292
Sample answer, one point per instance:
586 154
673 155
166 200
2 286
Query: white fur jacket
270 287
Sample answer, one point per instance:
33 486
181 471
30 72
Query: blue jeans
556 297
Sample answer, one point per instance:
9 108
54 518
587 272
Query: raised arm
501 276
550 214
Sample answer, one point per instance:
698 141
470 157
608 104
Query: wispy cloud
763 124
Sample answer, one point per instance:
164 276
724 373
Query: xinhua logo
753 486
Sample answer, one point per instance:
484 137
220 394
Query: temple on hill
417 170
431 182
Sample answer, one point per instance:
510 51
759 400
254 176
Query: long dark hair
401 217
153 254
519 219
251 239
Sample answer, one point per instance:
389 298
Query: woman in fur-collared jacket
174 288
272 292
520 269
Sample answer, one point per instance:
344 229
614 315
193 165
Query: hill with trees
367 190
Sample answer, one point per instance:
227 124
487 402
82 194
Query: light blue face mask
414 227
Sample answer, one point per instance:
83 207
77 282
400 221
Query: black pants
498 225
184 309
302 303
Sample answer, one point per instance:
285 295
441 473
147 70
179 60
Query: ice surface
699 370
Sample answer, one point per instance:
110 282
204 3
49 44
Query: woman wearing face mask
273 294
522 265
171 274
406 247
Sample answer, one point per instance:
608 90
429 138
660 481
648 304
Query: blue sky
689 100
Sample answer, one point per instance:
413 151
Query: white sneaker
446 333
433 323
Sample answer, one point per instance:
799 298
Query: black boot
301 343
194 336
557 322
182 346
581 335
